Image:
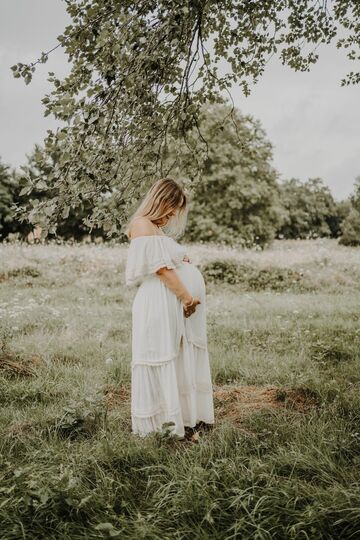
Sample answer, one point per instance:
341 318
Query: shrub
251 278
351 229
310 210
80 419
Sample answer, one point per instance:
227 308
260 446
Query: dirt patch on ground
242 401
116 395
299 399
12 364
235 403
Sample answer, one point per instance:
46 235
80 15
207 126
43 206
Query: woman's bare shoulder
142 226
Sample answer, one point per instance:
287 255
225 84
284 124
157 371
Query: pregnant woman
171 378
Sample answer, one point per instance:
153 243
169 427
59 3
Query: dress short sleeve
147 254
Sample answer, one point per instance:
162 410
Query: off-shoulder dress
170 369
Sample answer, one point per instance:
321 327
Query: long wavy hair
164 196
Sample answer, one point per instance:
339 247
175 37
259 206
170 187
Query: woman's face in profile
163 221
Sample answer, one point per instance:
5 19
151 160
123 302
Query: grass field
283 460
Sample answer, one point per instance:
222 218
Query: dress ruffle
147 254
179 390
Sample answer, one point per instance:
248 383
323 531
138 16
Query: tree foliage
355 196
237 199
142 71
310 210
350 227
8 187
73 222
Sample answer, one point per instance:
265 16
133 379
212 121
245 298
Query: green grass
70 467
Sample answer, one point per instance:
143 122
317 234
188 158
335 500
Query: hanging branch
141 76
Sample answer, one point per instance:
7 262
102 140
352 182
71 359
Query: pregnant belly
192 278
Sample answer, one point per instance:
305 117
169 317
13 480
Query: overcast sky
312 122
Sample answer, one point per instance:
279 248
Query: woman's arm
170 278
143 227
174 283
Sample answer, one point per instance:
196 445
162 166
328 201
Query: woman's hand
186 259
190 308
174 283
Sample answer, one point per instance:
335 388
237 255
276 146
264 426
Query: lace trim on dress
170 358
159 362
148 414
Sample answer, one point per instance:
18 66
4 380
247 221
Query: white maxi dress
170 370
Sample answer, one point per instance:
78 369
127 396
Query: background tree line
238 199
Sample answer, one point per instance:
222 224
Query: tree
141 72
310 210
355 196
350 227
237 199
73 223
7 199
38 170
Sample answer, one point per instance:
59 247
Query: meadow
283 458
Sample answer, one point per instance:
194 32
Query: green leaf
25 190
41 184
65 212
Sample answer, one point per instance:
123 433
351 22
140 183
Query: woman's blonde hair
164 196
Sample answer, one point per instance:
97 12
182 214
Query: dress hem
185 424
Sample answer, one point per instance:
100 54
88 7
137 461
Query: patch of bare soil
13 364
116 395
299 399
235 403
